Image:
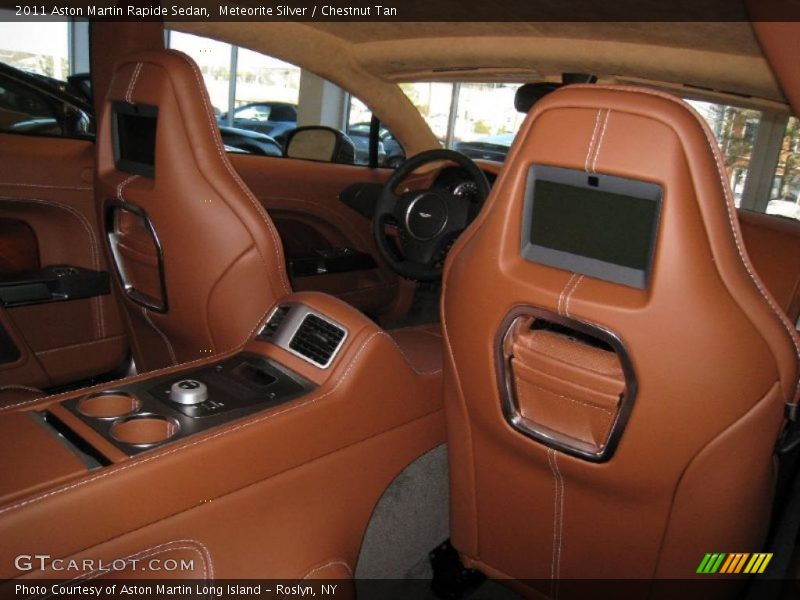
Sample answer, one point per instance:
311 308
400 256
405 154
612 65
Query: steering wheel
427 220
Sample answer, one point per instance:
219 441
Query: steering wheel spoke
428 220
419 251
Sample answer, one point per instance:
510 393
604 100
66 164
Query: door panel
302 197
47 201
19 251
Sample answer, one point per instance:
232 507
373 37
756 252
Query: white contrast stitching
563 290
591 141
563 397
164 337
122 184
729 205
131 378
202 552
560 480
600 141
20 387
132 83
201 440
571 293
47 187
78 345
409 361
137 377
558 522
235 176
276 243
550 453
330 563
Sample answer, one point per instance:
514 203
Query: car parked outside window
267 99
271 118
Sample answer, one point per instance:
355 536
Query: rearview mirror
319 143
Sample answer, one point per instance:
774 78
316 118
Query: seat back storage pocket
565 384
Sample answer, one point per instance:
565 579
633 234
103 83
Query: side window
359 118
267 95
40 48
485 120
433 100
785 193
37 84
735 129
214 60
775 188
272 97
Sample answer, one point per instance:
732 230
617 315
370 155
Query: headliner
718 60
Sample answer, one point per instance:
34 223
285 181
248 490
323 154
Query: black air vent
317 340
274 323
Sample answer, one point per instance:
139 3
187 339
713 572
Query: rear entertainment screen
597 225
135 138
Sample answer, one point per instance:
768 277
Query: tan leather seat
223 262
215 268
714 358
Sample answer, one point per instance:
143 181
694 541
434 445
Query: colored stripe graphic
731 560
737 561
733 563
711 563
703 564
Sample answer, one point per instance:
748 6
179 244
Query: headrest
157 113
163 91
530 93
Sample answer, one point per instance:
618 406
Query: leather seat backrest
222 260
712 355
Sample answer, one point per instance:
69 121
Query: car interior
496 378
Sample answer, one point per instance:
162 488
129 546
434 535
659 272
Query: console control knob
188 391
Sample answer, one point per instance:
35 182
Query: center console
141 416
320 396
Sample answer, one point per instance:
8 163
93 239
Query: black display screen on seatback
134 129
597 225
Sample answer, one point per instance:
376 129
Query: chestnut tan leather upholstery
223 261
12 395
714 356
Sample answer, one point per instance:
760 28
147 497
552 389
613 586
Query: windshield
484 114
479 120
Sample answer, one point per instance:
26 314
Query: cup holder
144 429
108 405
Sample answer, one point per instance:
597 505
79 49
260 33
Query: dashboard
362 196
